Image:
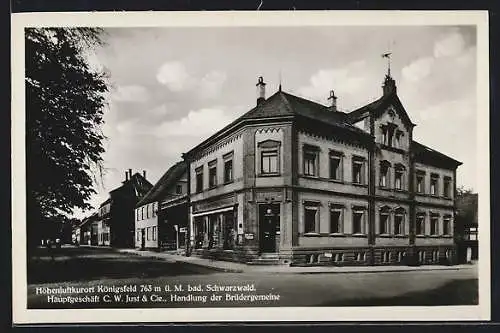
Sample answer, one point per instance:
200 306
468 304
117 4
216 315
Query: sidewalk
234 267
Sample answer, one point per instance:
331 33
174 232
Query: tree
65 101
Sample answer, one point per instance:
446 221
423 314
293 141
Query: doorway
269 225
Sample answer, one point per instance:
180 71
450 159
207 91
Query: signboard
249 236
183 229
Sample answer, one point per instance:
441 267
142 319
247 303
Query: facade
161 215
122 209
467 227
83 232
299 182
103 229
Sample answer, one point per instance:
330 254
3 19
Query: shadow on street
83 264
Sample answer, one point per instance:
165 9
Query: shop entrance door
269 221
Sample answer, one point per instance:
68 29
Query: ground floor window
154 233
216 231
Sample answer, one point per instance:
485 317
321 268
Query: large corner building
296 181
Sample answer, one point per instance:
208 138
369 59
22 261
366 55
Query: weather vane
388 56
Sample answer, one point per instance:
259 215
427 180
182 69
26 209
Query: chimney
389 86
261 90
333 101
126 175
144 173
130 173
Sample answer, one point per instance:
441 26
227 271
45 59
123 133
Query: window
357 170
154 233
447 187
434 224
446 225
384 221
311 219
147 233
137 214
434 184
357 221
420 183
311 156
199 179
397 139
142 213
339 257
336 223
336 165
385 137
399 222
228 168
269 161
420 224
398 177
212 174
384 173
178 189
148 209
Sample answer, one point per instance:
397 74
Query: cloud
160 110
197 123
418 69
449 46
211 84
175 76
348 80
132 93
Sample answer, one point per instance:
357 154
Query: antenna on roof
279 88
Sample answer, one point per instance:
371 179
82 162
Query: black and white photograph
250 165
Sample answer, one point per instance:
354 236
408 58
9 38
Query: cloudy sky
173 87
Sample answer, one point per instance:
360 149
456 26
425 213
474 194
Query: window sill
359 235
337 234
310 176
333 180
359 184
311 234
384 235
229 182
212 187
269 175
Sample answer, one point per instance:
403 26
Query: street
134 281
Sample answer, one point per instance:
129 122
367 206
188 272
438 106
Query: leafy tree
65 100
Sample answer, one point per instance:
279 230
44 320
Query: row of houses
294 181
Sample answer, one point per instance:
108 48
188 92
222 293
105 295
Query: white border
21 315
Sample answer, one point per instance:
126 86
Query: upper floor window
434 224
336 219
178 189
384 220
398 176
269 157
399 218
311 157
447 187
212 174
336 165
420 224
420 181
358 170
388 132
311 218
358 219
434 184
398 139
384 173
199 179
447 225
228 168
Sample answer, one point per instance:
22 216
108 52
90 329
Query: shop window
336 162
199 179
212 174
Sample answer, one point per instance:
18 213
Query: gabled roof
284 105
137 183
169 178
377 107
430 156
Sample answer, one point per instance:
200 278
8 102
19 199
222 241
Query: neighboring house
467 226
103 229
121 212
85 230
162 214
296 181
